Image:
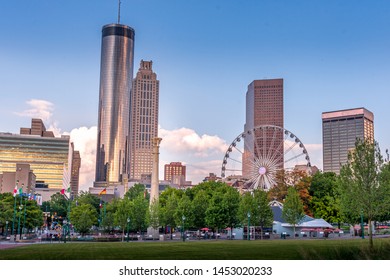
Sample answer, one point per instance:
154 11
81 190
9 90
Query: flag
15 191
21 191
68 190
39 200
63 191
103 191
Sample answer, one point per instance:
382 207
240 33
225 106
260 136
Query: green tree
184 209
139 208
88 198
231 198
122 213
257 205
293 208
83 217
34 215
364 184
6 210
296 179
199 205
108 221
168 210
137 190
153 218
263 213
325 201
58 205
216 213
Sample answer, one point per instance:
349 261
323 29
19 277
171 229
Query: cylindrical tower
116 76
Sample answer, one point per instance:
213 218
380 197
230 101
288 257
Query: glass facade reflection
116 75
48 157
340 129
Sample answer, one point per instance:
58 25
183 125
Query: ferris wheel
257 155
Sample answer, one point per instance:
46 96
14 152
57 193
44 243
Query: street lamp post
6 229
13 220
249 225
20 212
362 224
183 219
24 218
65 229
128 228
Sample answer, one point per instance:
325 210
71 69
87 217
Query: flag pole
13 220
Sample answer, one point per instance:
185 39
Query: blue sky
331 54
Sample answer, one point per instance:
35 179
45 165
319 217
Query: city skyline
332 56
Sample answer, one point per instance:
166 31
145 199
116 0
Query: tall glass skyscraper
116 77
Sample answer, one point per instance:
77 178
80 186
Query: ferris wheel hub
262 170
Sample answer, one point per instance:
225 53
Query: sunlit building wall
264 106
340 129
75 173
144 120
48 157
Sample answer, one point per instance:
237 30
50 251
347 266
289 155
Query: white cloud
201 154
186 140
41 109
84 140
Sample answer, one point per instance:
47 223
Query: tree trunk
261 232
370 234
123 234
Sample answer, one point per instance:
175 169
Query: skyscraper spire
119 11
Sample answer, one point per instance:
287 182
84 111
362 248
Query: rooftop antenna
119 11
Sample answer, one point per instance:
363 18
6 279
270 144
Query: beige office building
340 129
144 120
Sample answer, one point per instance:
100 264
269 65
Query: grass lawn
204 250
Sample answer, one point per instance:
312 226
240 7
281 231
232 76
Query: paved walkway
12 245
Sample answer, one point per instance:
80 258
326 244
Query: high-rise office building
144 120
264 106
175 173
38 151
75 175
23 177
340 129
116 77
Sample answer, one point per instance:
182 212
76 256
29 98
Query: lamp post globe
6 229
128 227
249 225
183 219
